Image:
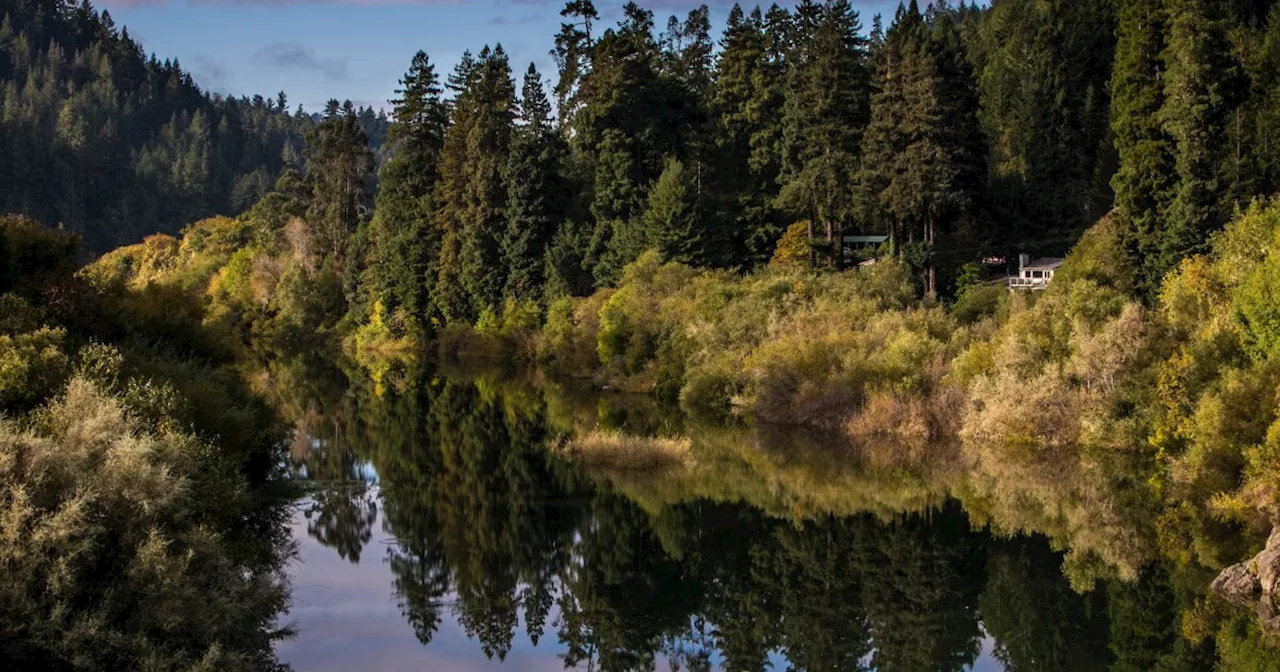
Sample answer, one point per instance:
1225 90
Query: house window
1037 274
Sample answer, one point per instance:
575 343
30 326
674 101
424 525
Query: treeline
663 142
115 145
1194 114
959 131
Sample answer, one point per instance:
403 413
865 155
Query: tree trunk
839 242
831 250
813 254
931 285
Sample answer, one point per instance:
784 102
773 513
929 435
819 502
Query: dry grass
910 417
612 450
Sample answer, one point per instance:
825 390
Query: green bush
32 366
979 302
1257 306
109 558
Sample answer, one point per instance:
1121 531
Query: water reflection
766 550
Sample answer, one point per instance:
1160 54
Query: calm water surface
450 529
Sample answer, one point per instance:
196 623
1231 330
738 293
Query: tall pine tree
825 114
1146 179
1200 84
747 108
535 193
485 195
916 150
340 168
404 242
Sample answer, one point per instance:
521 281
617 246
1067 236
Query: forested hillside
113 144
963 131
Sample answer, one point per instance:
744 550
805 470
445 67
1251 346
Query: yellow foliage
792 251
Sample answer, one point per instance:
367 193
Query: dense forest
110 143
963 132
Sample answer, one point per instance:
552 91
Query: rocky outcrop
1255 584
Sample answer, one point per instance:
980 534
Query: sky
314 50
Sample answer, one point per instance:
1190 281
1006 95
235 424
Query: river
464 523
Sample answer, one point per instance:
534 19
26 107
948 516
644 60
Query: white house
1034 274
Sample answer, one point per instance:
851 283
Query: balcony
1028 283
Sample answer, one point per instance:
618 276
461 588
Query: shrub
33 259
32 366
101 515
612 450
570 339
976 303
1257 306
792 251
711 387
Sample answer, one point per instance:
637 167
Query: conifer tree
340 166
914 153
671 221
626 127
483 216
746 105
825 114
686 75
1200 82
573 55
448 295
1145 181
421 117
404 243
534 192
1043 80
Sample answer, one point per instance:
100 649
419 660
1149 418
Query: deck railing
1028 283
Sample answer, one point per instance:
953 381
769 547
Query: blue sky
314 50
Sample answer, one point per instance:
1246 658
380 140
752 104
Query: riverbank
1125 431
140 480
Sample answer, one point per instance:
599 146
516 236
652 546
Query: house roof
1046 264
875 240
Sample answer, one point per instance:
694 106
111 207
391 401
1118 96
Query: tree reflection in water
494 530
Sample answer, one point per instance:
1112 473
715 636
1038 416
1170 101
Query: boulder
1268 615
1237 585
1268 566
1255 584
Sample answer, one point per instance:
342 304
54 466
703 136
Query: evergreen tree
482 273
914 154
573 52
1145 181
1200 81
448 296
1043 77
671 221
534 192
746 104
421 117
404 243
340 166
627 126
686 73
825 114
